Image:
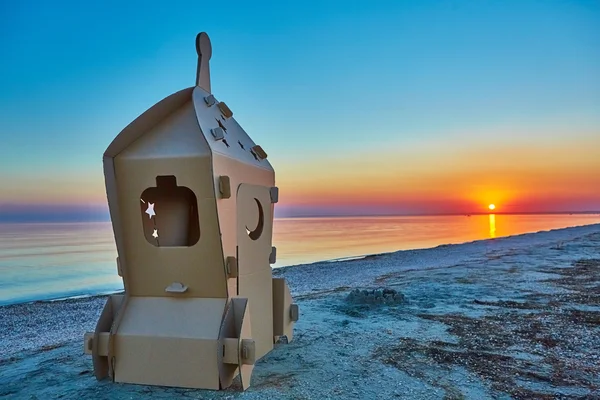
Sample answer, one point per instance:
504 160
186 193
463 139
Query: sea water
49 261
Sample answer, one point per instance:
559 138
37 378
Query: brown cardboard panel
239 172
112 192
244 323
226 216
119 303
236 145
173 147
172 317
175 136
154 115
200 266
231 351
104 325
167 361
283 325
179 333
227 371
232 287
254 233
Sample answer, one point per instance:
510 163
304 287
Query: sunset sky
382 107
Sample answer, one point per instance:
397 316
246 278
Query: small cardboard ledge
176 287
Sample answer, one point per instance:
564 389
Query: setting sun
491 206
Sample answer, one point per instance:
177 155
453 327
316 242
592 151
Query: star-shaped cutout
150 210
155 234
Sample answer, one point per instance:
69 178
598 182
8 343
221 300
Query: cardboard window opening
170 214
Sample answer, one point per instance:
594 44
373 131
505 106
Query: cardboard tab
210 100
88 342
176 287
259 152
225 111
101 345
218 133
274 191
224 187
294 312
248 351
232 267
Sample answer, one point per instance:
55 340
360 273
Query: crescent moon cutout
255 234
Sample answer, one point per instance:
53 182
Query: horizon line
96 220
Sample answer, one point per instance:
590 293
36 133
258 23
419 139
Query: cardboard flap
237 349
246 344
227 370
285 312
103 326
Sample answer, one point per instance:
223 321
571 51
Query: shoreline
303 265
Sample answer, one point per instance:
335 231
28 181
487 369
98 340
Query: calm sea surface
46 261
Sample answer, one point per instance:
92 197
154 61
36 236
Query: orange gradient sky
455 175
435 108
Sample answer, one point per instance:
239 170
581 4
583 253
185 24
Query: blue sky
314 82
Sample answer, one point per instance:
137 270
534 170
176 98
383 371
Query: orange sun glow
491 206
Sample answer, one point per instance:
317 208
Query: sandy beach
515 317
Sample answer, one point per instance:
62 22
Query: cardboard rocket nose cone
204 50
191 200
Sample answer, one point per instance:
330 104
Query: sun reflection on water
492 225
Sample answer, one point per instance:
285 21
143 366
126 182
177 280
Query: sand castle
191 200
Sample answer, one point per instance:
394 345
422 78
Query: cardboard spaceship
191 200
